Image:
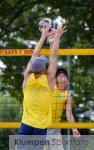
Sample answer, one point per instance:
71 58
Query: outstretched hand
45 30
60 30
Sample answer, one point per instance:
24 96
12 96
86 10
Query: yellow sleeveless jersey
58 104
37 103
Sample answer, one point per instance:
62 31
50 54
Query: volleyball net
78 62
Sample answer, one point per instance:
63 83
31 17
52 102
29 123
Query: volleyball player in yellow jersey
61 100
38 85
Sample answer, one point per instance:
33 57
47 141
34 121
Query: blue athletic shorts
28 130
36 134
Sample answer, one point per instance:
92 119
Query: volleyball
45 21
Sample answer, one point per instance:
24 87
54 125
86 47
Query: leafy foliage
19 26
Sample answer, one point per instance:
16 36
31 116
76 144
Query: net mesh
11 96
81 85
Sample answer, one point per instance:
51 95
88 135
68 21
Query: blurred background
19 30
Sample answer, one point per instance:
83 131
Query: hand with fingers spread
60 30
45 30
56 32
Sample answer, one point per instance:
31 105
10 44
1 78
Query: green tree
19 26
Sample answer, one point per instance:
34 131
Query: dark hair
62 70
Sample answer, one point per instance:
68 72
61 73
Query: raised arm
54 49
44 35
70 117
